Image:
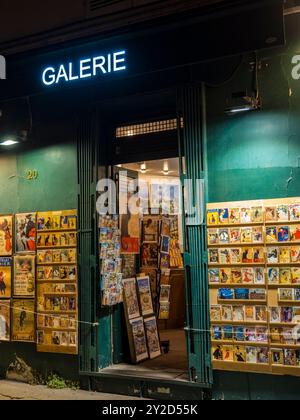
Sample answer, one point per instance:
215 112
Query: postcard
165 226
294 211
250 334
273 275
217 352
235 235
283 234
164 310
225 294
261 313
223 216
245 215
248 275
241 294
258 255
295 254
213 217
271 214
165 244
275 315
284 255
251 354
224 236
283 213
213 236
5 277
257 234
239 354
234 216
295 275
257 294
297 294
228 355
238 313
285 294
238 334
236 276
224 256
235 256
276 335
225 275
257 214
250 313
271 234
263 355
295 233
165 291
246 235
288 336
296 314
227 332
259 275
164 261
145 297
285 276
227 314
286 315
217 333
215 313
289 357
277 357
247 256
214 275
272 255
213 256
262 335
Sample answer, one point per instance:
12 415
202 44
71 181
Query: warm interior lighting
166 168
143 168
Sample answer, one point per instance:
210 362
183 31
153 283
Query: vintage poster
149 255
145 297
130 298
24 276
5 277
150 229
139 339
6 235
129 216
23 320
4 320
25 232
152 337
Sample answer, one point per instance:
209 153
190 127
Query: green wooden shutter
192 146
87 235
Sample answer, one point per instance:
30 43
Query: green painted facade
54 189
255 156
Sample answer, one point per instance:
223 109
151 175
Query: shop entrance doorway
151 250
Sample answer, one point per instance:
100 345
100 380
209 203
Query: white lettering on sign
296 68
85 68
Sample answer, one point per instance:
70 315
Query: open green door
192 149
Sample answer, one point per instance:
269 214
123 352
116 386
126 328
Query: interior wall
254 156
54 189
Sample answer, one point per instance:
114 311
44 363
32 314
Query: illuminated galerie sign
85 68
296 67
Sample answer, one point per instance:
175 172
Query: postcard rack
254 282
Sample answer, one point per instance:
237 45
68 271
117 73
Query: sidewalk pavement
10 390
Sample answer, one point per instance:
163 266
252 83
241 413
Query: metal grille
146 128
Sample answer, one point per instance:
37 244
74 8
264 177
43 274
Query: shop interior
152 246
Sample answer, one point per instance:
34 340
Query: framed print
25 232
150 229
24 276
130 298
152 337
6 235
23 320
145 297
4 320
139 339
5 277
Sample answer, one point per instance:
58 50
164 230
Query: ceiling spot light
8 142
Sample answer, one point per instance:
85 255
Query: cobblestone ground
10 390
